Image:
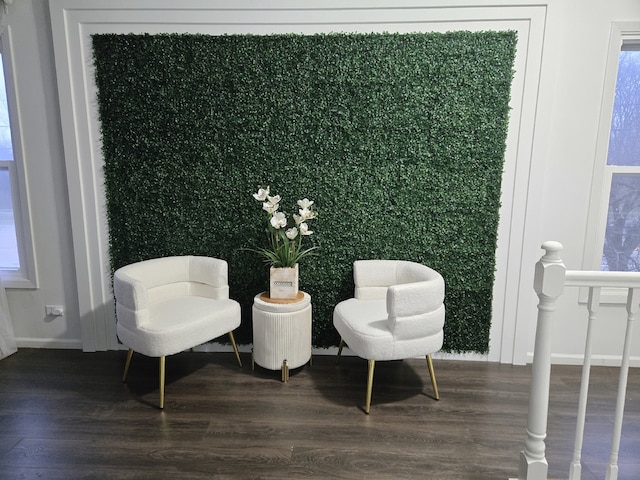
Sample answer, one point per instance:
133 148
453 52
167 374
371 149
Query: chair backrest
414 294
372 278
139 285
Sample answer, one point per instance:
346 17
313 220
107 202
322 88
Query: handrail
585 278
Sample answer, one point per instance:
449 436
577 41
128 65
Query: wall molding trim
32 342
74 21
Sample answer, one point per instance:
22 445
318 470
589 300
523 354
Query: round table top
264 296
263 302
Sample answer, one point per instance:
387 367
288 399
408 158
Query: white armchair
397 313
167 305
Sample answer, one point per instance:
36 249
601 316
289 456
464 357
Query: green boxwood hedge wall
398 138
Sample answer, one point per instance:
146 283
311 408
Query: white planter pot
283 282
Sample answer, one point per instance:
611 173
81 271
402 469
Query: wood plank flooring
65 414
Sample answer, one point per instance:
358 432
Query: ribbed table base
281 335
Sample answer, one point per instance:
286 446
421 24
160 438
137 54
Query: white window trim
26 276
621 32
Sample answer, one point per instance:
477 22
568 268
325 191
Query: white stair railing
551 277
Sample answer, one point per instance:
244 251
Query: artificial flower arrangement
285 243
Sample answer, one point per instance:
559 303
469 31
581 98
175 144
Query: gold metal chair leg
372 364
285 371
162 363
126 365
340 350
432 374
235 347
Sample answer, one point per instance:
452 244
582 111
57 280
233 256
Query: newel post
549 285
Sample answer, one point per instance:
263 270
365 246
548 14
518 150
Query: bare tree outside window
621 250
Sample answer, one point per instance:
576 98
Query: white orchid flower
291 233
261 196
305 203
272 203
304 229
279 220
273 200
307 214
270 207
285 243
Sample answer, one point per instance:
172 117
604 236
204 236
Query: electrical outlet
54 310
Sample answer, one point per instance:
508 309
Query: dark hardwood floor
67 415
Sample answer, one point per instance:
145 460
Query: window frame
622 33
26 275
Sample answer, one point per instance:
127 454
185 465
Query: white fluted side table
281 332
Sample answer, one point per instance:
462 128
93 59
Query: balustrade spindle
593 304
633 304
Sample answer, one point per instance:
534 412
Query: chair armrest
416 309
415 298
129 291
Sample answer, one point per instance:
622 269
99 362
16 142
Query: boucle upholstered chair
397 313
167 305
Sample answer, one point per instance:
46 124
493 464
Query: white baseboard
219 347
29 342
436 356
596 360
469 357
26 342
556 358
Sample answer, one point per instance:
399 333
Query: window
17 266
9 258
621 248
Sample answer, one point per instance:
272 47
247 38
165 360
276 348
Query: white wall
29 31
559 182
576 53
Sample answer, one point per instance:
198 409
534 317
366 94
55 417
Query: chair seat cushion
181 323
365 328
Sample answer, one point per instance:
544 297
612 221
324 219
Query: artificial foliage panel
398 138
